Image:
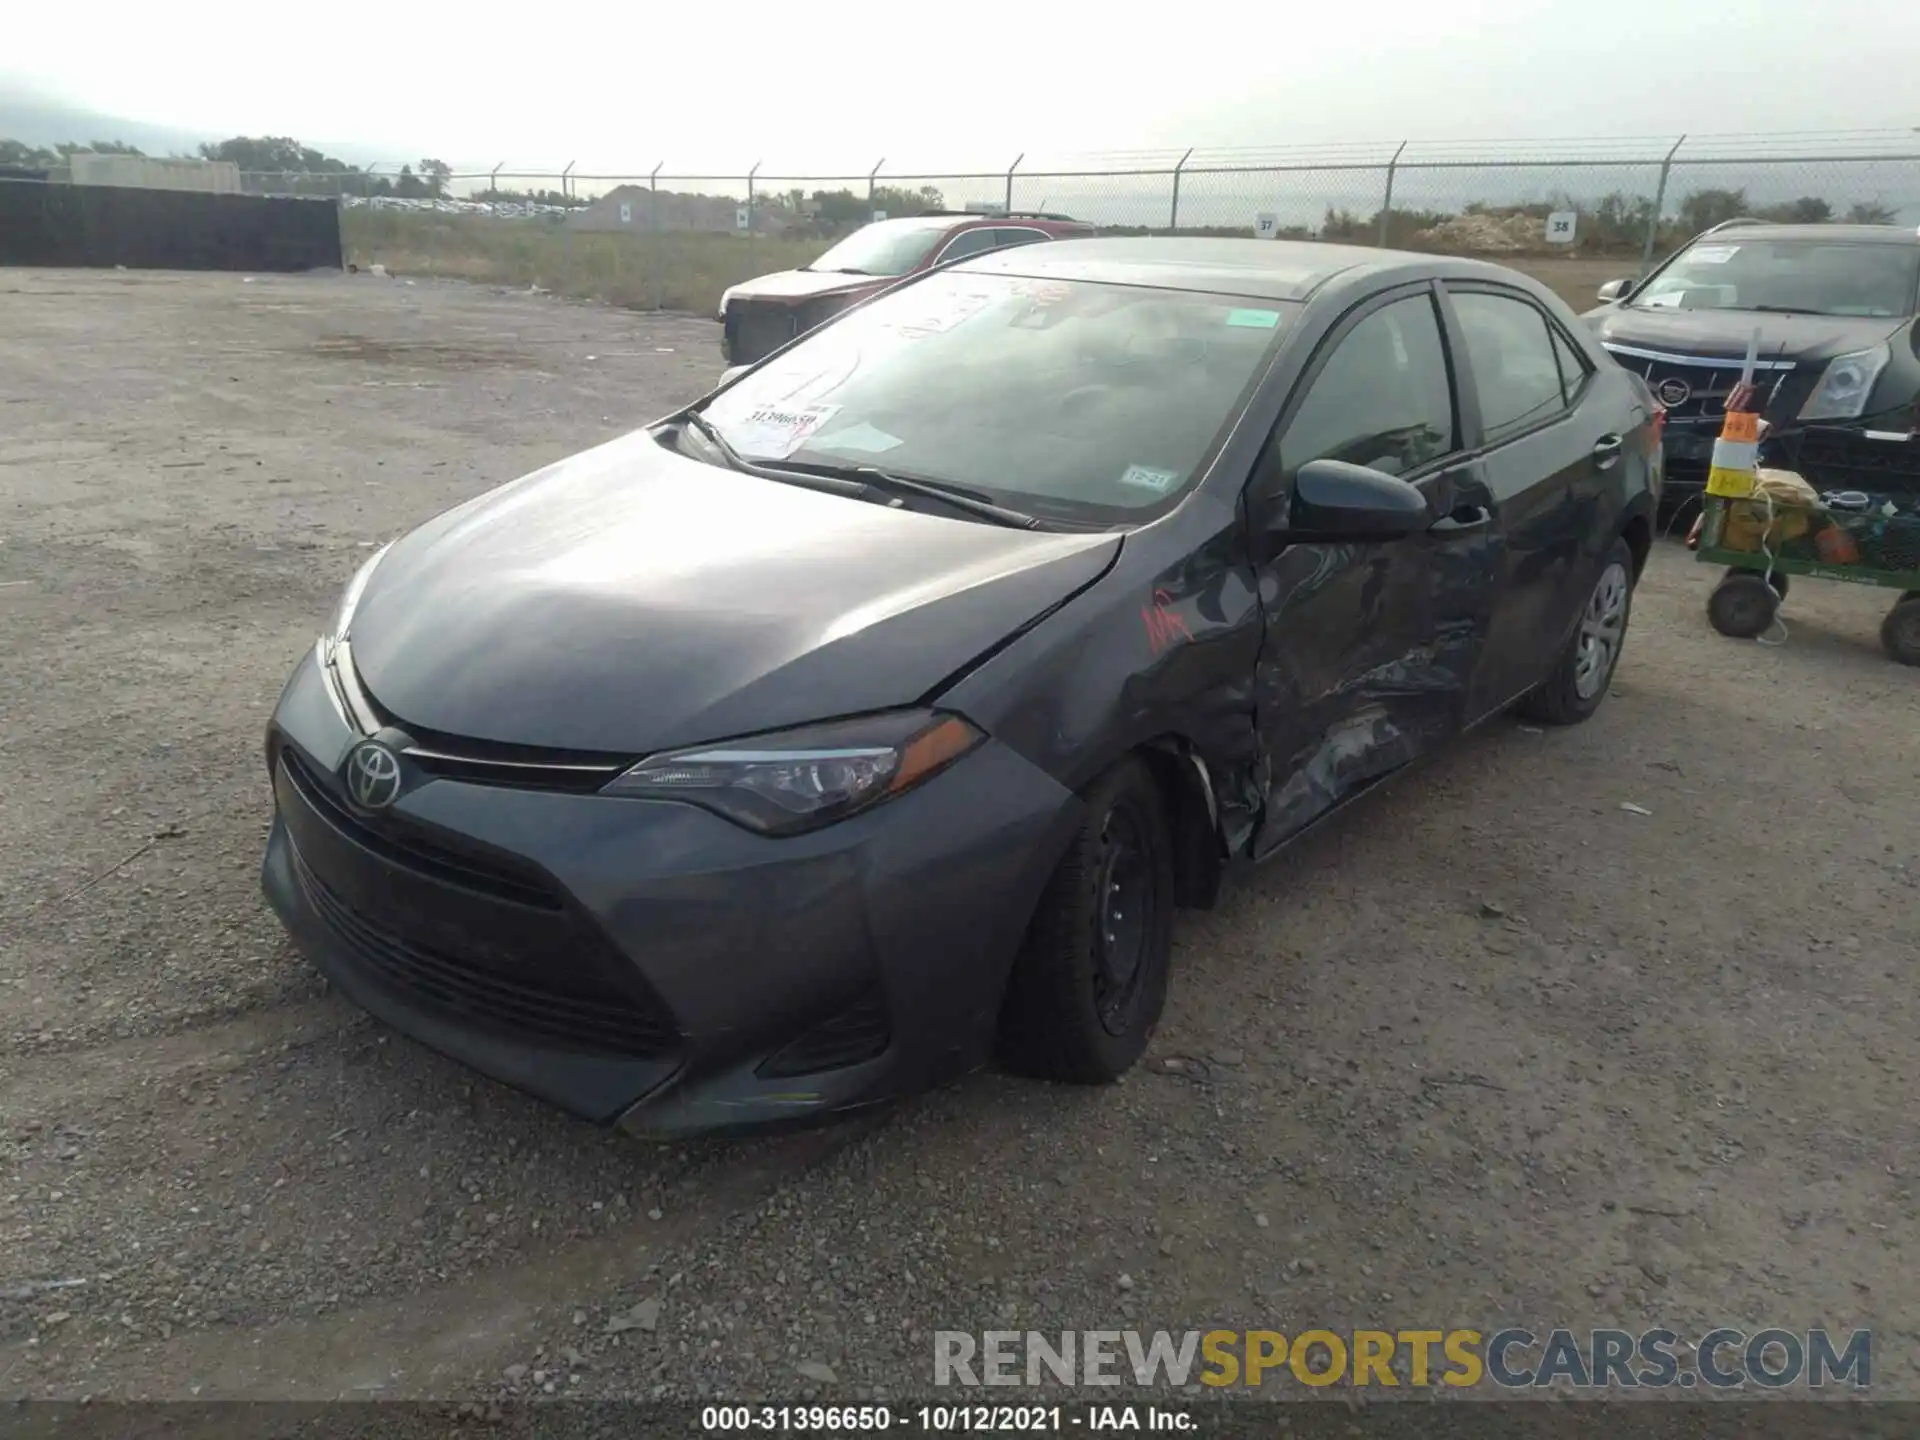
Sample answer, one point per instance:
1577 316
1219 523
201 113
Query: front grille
1709 381
755 331
856 1034
566 1005
405 847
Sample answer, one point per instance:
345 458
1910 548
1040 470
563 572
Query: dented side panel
1370 652
1148 653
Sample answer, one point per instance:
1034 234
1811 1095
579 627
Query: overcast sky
827 88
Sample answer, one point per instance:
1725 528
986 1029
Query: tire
1079 1007
1581 676
1900 631
1742 605
1776 580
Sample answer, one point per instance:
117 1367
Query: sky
811 89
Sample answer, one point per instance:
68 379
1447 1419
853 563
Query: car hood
1723 334
631 599
784 286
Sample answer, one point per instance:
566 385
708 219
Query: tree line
296 168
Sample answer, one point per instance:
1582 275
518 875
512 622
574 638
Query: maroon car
758 316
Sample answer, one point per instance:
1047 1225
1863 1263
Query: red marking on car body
1163 622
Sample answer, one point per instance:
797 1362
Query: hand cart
1859 536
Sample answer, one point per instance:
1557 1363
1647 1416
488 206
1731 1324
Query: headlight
1843 389
336 630
798 780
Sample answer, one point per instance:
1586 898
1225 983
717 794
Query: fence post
493 189
870 183
1173 211
1007 209
1659 202
750 174
653 218
566 180
1386 204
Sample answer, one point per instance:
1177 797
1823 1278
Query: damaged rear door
1369 648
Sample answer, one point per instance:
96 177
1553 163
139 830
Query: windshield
1815 277
886 247
1082 400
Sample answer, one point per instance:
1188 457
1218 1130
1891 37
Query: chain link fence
653 238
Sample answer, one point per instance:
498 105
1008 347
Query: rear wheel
1091 978
1900 632
1584 671
1742 606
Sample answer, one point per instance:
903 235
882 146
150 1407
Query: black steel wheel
1091 979
1742 605
1776 580
1900 631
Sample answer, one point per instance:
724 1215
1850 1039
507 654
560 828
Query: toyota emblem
373 775
1672 392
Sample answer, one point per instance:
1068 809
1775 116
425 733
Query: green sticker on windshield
1254 319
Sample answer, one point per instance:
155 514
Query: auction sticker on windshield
779 430
1145 477
1712 254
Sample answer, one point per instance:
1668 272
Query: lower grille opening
558 1000
854 1035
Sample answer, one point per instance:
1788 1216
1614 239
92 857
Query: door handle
1606 450
1463 520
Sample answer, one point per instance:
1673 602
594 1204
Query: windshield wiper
827 480
850 270
957 497
1784 310
858 479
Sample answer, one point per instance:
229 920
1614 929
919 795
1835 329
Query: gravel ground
1492 1048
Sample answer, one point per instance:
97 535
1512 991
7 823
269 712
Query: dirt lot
1494 1048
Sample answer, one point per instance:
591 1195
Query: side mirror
1335 501
1614 289
732 373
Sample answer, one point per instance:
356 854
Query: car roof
1266 269
1828 231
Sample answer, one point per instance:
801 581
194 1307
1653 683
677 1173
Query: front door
1370 648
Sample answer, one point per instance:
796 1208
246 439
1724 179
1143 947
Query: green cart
1761 544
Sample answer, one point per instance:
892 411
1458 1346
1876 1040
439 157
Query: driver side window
1384 398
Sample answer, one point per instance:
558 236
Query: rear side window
967 242
1510 348
1017 235
1573 366
1384 397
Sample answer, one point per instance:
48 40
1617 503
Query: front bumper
649 964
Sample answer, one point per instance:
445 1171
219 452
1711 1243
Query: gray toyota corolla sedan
873 714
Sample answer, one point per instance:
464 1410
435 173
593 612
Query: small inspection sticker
1253 319
1145 477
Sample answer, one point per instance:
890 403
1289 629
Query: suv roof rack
1003 215
1735 224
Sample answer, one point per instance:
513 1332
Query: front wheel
1091 979
1742 606
1584 671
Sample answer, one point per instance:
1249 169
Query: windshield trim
1055 510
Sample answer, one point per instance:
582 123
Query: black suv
1838 372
